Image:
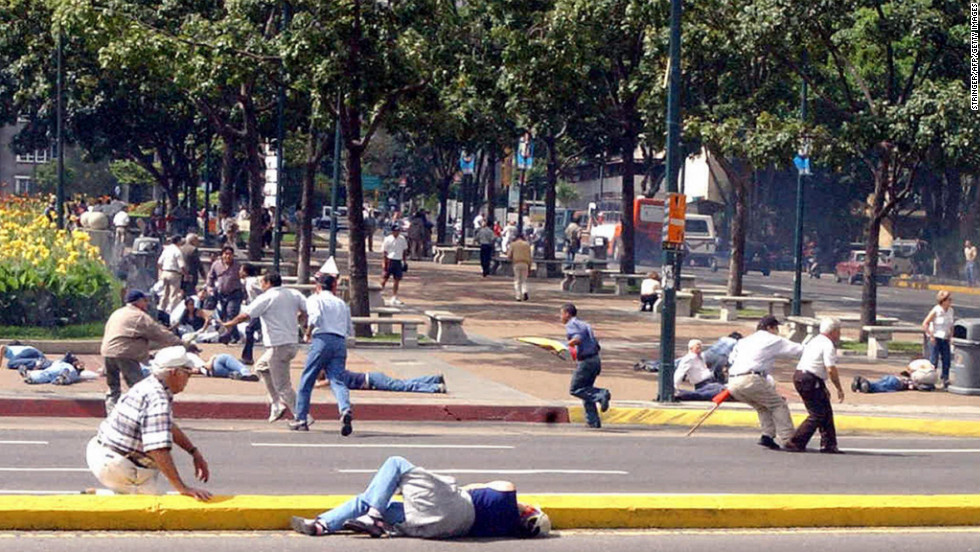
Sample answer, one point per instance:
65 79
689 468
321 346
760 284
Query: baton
717 399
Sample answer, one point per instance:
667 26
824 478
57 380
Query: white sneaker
276 412
396 302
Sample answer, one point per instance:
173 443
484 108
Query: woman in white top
649 291
938 327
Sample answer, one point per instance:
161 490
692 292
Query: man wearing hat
752 360
134 442
129 334
394 249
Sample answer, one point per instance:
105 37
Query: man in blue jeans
433 507
379 381
226 366
327 330
581 337
18 355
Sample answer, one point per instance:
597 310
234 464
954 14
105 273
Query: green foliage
88 330
41 296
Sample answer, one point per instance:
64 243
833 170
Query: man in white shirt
748 379
329 326
281 311
121 223
819 360
171 267
394 249
692 367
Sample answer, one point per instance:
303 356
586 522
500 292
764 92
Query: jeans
570 253
254 325
940 348
425 384
377 495
229 305
51 373
224 365
971 273
704 391
130 370
327 352
486 255
582 387
886 384
15 353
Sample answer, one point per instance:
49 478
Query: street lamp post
803 169
335 189
60 194
672 258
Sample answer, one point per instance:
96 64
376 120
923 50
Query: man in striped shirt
133 444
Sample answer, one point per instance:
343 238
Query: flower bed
49 277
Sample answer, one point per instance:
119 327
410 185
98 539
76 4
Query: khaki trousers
520 280
273 368
171 290
118 473
774 417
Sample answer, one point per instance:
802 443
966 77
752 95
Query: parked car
756 259
323 221
852 269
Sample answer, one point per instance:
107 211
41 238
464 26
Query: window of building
23 185
40 156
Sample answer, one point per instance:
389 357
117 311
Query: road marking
939 451
382 445
511 472
23 442
44 470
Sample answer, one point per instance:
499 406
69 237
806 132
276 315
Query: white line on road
23 442
382 445
939 451
44 470
512 472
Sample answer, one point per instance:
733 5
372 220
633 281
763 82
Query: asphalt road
947 539
910 305
39 456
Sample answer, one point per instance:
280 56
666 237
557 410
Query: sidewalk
498 378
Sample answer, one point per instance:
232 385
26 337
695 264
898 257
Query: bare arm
835 378
927 322
165 463
241 317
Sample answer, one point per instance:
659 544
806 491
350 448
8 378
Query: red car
852 270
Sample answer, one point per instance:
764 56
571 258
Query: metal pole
280 162
798 268
60 194
465 192
207 189
672 260
335 190
520 203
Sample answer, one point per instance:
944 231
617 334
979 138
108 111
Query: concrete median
178 513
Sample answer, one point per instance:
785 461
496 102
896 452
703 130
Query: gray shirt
435 508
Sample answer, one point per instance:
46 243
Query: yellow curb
748 418
178 513
936 287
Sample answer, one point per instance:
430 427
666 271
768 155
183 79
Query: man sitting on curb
921 375
692 367
433 507
133 444
378 381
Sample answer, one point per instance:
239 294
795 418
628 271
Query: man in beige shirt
129 332
519 253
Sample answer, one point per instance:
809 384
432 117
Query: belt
138 458
751 373
174 271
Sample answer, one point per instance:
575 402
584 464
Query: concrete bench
879 336
375 301
729 312
445 255
386 312
409 328
582 281
548 268
683 304
502 266
802 329
622 282
446 328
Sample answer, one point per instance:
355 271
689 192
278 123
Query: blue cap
134 295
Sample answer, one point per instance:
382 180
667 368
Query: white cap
330 267
171 357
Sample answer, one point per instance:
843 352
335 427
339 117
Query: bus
700 240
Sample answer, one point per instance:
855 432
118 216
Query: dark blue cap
134 295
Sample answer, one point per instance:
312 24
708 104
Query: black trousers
486 255
813 391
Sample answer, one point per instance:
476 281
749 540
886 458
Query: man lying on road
433 507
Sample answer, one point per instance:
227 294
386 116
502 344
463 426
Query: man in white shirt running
394 249
748 379
281 311
819 360
329 326
692 367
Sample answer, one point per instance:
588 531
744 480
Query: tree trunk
227 190
443 208
737 260
869 285
357 261
305 237
550 196
491 184
627 264
255 164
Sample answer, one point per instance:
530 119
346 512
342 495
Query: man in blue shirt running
581 337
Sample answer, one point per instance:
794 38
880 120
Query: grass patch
745 313
908 347
89 330
290 239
